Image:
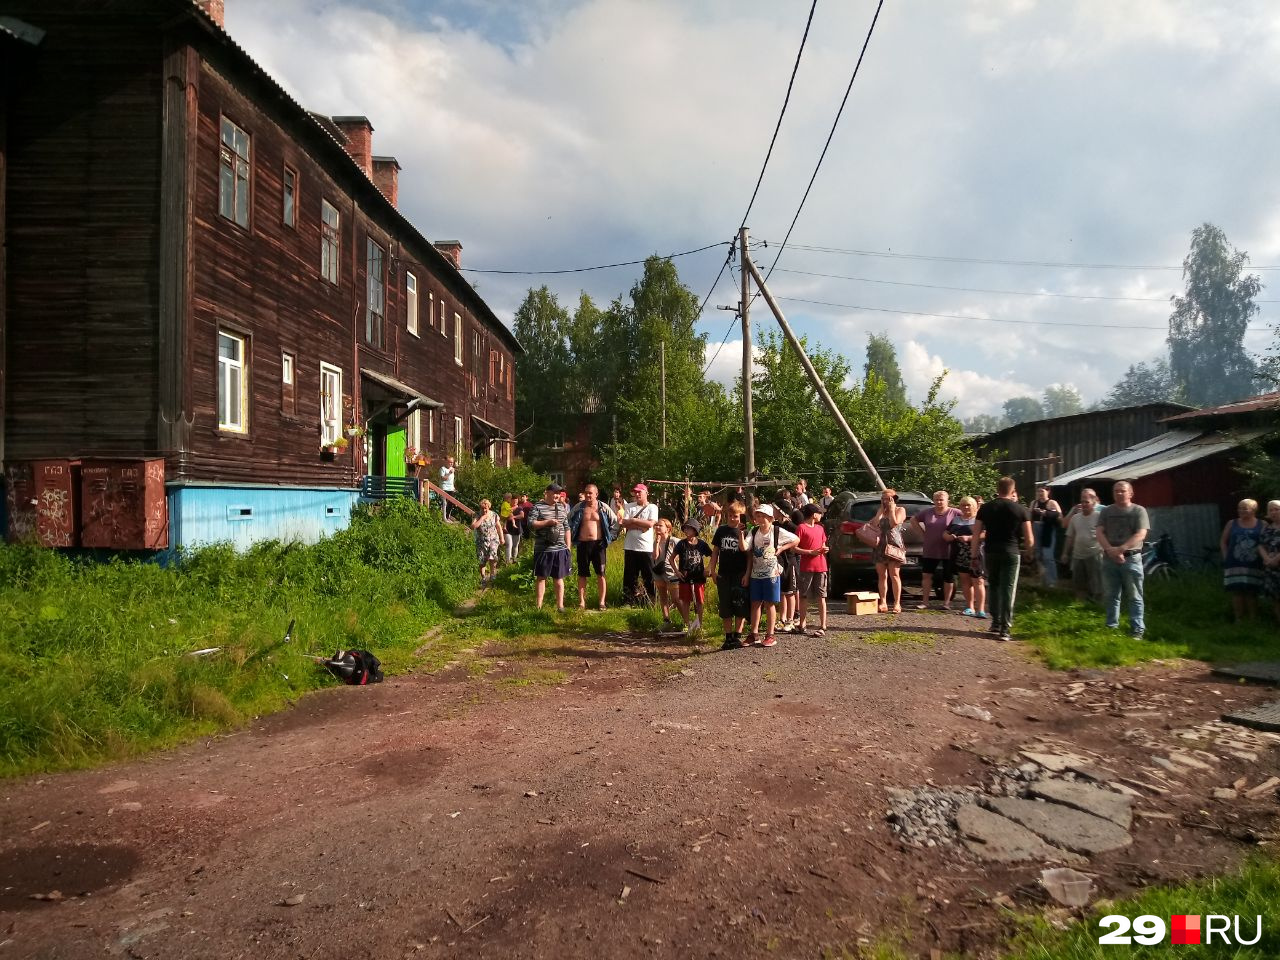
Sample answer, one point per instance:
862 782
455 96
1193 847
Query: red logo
1185 928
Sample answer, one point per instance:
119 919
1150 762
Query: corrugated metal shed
1165 452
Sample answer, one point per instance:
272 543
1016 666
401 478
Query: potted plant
339 445
355 430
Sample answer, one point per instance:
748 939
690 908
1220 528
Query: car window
864 511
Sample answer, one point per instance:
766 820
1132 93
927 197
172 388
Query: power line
782 113
956 316
1006 263
733 325
603 266
830 136
786 100
1014 293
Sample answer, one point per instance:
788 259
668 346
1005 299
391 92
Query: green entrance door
395 447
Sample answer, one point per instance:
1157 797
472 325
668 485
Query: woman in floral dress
488 539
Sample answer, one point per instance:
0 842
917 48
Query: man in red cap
638 518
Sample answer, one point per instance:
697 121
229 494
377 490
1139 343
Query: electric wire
782 113
957 316
1011 293
786 100
602 266
998 262
830 136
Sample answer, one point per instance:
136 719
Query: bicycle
1159 559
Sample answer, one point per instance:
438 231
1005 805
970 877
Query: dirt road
610 797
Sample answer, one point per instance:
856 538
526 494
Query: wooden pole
662 359
748 425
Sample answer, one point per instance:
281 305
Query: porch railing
388 488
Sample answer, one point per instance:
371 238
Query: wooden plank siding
121 270
82 218
1074 440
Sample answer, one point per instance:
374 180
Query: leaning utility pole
748 426
818 385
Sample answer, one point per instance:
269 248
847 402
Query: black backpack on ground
355 667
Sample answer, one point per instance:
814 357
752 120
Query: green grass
1252 891
1186 617
95 655
896 636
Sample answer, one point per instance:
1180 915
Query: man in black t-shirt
1003 521
729 558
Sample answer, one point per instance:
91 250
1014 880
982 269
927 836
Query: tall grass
1186 616
96 657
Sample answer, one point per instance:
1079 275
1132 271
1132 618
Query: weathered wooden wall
121 271
1075 440
83 164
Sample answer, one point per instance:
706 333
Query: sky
1085 139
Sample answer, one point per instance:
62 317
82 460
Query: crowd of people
768 560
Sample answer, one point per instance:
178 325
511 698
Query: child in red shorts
689 560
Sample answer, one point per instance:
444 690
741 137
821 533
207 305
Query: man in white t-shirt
638 519
448 476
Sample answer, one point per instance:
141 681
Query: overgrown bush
482 479
97 657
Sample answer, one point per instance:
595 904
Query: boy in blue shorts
766 543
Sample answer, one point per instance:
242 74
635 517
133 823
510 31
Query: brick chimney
214 8
451 249
386 177
359 134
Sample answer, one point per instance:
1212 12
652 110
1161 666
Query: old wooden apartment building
209 287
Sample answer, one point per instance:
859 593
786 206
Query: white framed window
457 339
233 174
413 429
411 302
330 403
329 241
558 478
457 437
376 302
442 315
431 310
233 379
289 212
557 441
431 426
288 374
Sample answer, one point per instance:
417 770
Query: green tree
1022 410
984 423
1207 358
1141 383
1061 400
543 374
657 319
913 447
882 362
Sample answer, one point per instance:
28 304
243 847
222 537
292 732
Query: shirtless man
708 512
592 526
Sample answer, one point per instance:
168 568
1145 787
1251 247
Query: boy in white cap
766 543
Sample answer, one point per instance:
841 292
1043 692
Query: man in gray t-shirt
549 520
1083 552
1121 532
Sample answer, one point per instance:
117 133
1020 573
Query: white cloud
975 392
559 134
